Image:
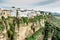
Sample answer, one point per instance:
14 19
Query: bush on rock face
1 27
25 20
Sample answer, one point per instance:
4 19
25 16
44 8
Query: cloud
21 2
54 7
3 1
46 2
46 5
25 1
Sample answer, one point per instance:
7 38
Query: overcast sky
45 5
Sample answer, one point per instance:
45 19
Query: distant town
21 13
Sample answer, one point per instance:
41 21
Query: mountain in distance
56 14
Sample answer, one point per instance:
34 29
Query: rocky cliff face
24 31
21 29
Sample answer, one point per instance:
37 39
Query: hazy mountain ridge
56 14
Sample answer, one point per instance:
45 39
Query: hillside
41 27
